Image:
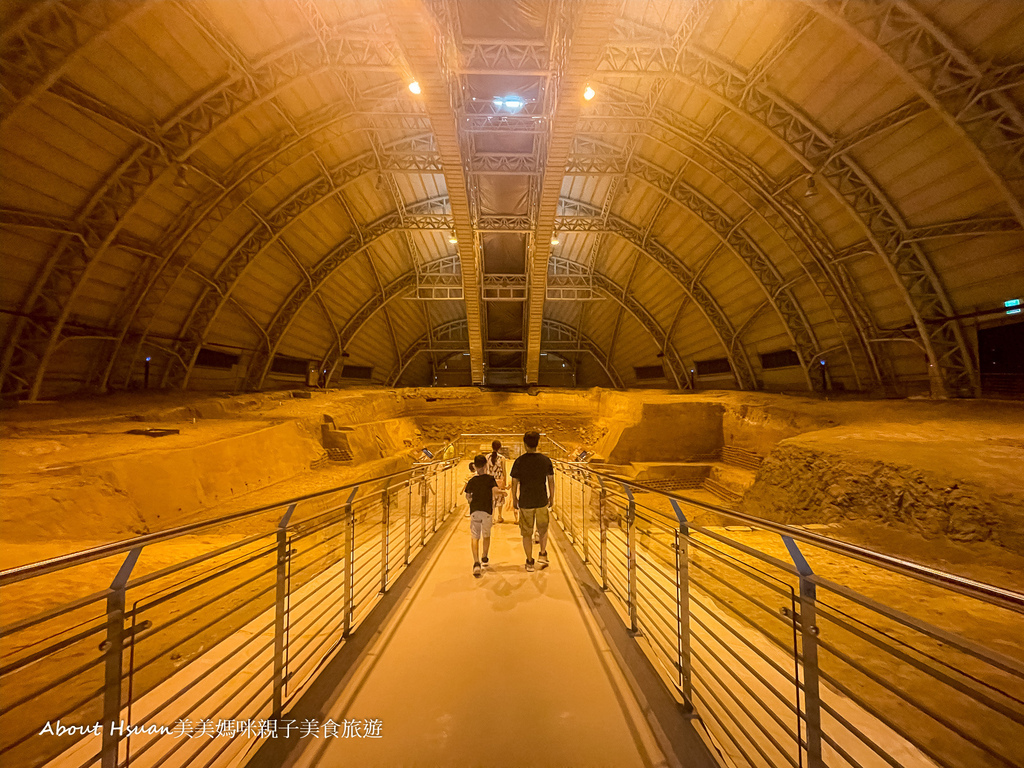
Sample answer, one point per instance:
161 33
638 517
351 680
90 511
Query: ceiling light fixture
452 238
554 239
589 93
509 103
812 189
414 86
180 180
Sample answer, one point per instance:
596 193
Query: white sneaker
542 559
476 570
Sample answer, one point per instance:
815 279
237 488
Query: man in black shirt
533 486
480 492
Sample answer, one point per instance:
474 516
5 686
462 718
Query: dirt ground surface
916 476
937 482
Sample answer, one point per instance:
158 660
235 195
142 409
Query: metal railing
208 630
786 665
227 621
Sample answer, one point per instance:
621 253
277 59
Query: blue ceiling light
509 103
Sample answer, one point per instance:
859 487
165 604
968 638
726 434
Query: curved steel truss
738 170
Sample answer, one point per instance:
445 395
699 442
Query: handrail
42 567
989 593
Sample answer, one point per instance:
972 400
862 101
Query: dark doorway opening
1001 359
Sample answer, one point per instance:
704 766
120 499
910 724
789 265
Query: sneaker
529 565
476 570
484 561
542 559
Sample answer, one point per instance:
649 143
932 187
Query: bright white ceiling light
509 103
452 238
554 239
414 86
589 93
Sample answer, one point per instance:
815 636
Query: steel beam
974 100
861 195
115 199
583 217
426 47
583 38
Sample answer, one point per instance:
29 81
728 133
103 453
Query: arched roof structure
769 194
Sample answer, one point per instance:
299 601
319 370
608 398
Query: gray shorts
480 525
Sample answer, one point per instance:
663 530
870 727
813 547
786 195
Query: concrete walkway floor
505 670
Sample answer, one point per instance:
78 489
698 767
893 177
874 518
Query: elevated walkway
351 631
506 670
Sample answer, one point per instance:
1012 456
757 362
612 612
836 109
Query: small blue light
1012 303
148 359
822 362
1013 311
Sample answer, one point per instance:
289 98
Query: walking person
480 492
496 469
533 476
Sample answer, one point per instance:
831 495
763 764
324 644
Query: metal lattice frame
401 286
452 338
592 27
583 217
39 46
972 99
186 237
787 220
728 231
884 227
575 216
425 215
169 144
44 40
641 315
426 45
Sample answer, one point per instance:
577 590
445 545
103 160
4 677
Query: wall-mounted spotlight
812 188
452 238
589 93
414 86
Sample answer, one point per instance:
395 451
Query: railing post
447 491
437 496
113 648
350 561
603 522
682 550
807 621
583 508
631 556
408 521
280 611
424 495
385 535
570 475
